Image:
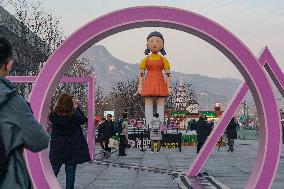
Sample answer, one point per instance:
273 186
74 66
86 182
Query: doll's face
155 44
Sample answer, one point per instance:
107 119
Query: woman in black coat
231 134
68 145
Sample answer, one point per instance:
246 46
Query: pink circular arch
269 148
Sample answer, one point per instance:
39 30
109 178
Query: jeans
70 170
231 144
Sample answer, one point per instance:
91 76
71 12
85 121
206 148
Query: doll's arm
168 80
141 76
140 82
168 75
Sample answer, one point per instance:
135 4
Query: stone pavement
230 168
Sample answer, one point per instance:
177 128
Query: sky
257 23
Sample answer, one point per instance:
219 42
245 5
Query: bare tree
100 101
79 68
122 99
36 19
189 89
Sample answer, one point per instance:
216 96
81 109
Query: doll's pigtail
163 52
147 51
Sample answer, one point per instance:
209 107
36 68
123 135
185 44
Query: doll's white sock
161 112
148 114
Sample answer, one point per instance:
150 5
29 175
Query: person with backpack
123 135
19 129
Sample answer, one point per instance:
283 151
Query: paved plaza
151 170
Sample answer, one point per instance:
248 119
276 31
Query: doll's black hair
157 34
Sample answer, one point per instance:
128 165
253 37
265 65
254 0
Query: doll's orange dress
154 84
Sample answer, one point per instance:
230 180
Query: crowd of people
108 128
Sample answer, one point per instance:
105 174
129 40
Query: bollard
142 139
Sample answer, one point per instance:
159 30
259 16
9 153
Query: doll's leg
148 110
161 108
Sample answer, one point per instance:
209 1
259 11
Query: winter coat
155 133
203 130
106 130
232 130
18 130
68 144
124 126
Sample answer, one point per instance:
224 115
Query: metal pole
142 140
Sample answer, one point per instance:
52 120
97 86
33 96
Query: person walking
101 132
19 129
123 134
231 131
68 144
107 132
155 133
203 130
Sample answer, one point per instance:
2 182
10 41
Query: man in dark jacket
107 131
123 135
231 131
203 129
18 127
101 132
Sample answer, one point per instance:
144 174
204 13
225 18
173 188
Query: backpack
118 126
3 160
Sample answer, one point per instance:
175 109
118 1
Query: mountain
109 69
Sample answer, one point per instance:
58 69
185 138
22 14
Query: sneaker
122 154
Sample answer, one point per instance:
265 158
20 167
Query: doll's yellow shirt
155 57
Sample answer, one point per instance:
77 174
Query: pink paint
204 28
266 59
132 122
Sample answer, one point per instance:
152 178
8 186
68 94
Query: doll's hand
138 91
170 91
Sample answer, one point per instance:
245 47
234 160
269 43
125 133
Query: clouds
256 23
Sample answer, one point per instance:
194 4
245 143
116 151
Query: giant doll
155 76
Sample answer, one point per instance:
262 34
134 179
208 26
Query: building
183 118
